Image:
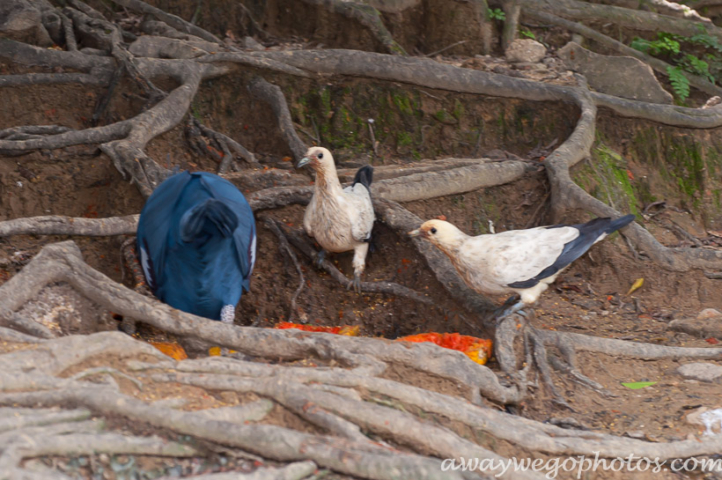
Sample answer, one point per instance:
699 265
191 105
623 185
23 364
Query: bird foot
320 258
356 284
504 311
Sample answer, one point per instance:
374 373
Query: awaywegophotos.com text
580 464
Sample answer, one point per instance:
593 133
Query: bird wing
309 216
360 211
515 256
244 236
589 234
155 224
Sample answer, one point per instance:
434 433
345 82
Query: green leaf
680 83
637 385
496 14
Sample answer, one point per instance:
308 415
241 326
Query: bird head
316 157
438 232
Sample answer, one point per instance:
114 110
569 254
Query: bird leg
320 257
228 314
359 264
510 306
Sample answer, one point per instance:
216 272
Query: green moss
325 96
458 111
403 139
403 103
441 116
607 178
685 156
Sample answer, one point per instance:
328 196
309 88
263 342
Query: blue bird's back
197 243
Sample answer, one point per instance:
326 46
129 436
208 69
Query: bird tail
210 217
618 223
364 176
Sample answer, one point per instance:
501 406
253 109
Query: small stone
712 102
709 313
525 50
229 397
704 372
250 43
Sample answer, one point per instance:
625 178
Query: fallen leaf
712 341
638 385
636 286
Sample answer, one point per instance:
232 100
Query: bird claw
320 258
356 284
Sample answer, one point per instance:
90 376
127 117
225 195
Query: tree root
363 460
367 16
226 143
172 20
624 17
62 262
285 247
292 471
273 95
51 79
61 225
659 65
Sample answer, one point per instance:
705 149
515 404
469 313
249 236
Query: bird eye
320 155
433 230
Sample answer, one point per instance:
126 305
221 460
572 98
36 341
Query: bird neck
327 180
452 243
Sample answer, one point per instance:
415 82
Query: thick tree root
273 95
367 16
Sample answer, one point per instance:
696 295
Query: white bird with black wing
523 262
339 219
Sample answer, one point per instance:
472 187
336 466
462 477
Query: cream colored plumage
525 262
339 219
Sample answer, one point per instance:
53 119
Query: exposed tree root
61 225
353 404
659 65
273 95
368 16
363 460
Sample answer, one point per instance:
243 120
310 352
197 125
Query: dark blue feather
588 234
197 238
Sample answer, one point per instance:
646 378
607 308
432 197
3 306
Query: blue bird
197 243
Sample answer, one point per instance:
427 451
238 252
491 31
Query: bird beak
415 233
304 161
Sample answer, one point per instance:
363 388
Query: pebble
708 313
704 372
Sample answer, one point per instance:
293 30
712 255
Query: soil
590 297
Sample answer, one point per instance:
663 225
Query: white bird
339 219
523 262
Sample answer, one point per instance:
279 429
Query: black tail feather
364 176
620 222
